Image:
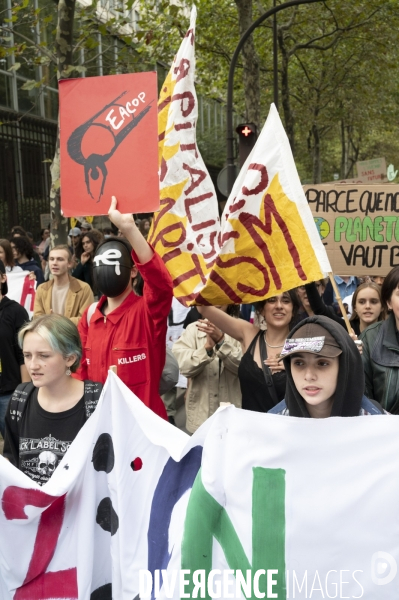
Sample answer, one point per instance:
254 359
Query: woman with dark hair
6 255
18 230
145 226
44 241
381 349
12 371
305 295
210 359
366 307
262 377
85 251
324 373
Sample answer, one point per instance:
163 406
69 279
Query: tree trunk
316 154
289 117
344 155
250 63
353 151
63 47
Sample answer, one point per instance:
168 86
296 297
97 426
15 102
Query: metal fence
25 146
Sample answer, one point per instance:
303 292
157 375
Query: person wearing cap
12 368
325 376
85 226
75 235
125 329
63 294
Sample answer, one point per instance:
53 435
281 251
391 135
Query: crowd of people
106 299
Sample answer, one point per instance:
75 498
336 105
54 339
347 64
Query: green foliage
15 67
212 145
337 66
341 73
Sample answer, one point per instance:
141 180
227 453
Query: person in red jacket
127 330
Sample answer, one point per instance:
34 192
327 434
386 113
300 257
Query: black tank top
255 393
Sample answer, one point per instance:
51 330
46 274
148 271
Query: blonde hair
60 333
63 247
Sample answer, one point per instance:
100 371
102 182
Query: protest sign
372 171
109 136
267 241
45 220
22 289
185 230
359 226
245 507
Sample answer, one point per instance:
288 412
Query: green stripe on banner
207 519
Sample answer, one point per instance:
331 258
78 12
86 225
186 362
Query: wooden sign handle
339 300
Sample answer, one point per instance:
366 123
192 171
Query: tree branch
39 48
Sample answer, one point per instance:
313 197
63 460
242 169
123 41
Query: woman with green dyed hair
45 415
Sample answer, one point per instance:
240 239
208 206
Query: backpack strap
90 312
18 401
92 394
372 406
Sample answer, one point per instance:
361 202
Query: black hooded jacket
350 386
12 317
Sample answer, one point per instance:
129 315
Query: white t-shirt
13 269
348 301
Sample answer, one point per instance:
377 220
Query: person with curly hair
22 251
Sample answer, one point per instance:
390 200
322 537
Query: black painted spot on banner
103 454
102 593
106 516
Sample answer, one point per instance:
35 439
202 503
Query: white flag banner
251 506
22 289
269 240
185 230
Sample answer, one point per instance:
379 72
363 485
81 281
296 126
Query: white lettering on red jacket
131 359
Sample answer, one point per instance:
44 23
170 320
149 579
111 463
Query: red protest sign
109 144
